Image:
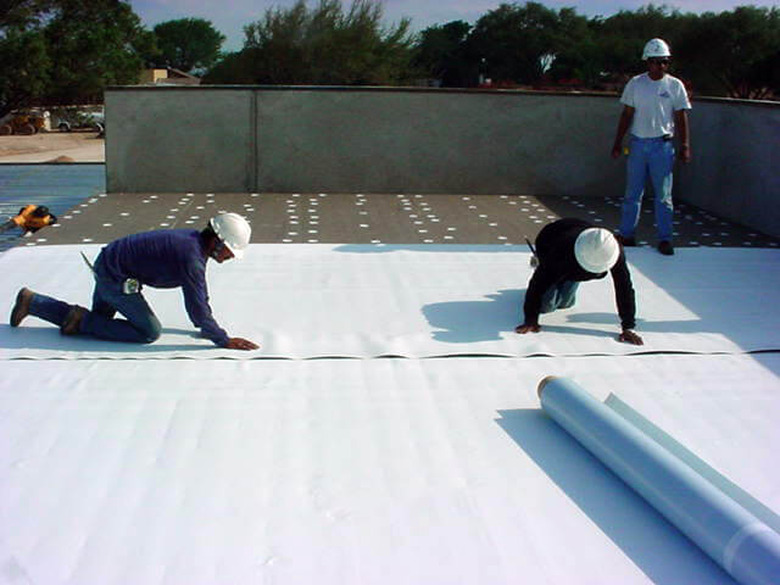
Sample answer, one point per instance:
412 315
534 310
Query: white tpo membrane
740 541
251 470
342 472
361 301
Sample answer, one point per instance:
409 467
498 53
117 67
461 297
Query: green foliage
734 53
441 53
623 36
95 44
514 39
324 45
187 44
20 14
577 54
24 64
233 69
67 51
23 68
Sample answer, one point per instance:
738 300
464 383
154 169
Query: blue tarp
58 187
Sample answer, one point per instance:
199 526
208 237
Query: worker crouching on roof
570 251
160 259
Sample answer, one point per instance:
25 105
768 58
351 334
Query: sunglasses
659 61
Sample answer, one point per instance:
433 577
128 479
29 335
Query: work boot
626 242
21 307
666 248
72 323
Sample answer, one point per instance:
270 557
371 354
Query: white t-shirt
654 103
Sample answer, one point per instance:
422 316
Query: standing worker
160 259
655 105
570 251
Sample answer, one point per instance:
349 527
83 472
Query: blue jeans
559 296
49 309
140 325
654 157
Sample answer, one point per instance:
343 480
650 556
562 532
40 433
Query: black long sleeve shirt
557 263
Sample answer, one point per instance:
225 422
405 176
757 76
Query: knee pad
152 334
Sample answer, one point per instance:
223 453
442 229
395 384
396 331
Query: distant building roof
167 76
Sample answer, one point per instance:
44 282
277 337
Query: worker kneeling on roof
570 251
160 259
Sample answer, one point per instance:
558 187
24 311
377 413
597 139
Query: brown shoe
626 242
72 323
21 307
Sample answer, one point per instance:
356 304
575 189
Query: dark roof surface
76 194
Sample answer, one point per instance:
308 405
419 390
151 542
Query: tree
94 44
24 63
234 68
514 39
765 76
21 13
578 56
67 51
326 45
622 37
440 53
23 68
187 44
734 53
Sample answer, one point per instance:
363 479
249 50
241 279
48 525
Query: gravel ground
53 147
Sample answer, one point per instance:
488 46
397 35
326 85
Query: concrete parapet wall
735 171
423 142
179 140
372 140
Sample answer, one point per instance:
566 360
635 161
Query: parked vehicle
23 123
70 120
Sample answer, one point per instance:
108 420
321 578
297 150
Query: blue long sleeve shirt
167 259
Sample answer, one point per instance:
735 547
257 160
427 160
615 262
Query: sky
230 16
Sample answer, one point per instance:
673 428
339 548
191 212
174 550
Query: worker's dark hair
208 232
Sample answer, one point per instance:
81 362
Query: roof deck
388 429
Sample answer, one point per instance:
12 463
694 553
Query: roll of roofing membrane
742 544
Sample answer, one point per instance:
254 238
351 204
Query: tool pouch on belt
130 286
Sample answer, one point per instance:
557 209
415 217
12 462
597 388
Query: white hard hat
596 250
656 48
233 230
